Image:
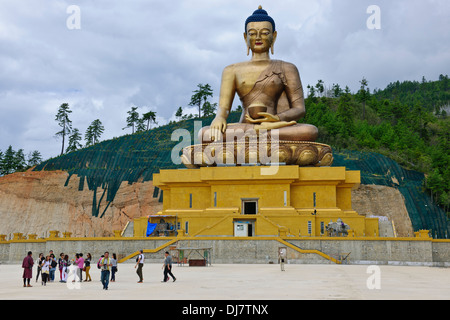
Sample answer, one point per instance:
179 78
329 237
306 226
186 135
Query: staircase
308 251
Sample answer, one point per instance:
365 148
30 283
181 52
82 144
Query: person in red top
27 266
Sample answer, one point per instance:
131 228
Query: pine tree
94 132
140 125
149 117
74 141
8 161
311 92
35 158
19 161
132 119
201 95
179 113
337 91
97 129
320 87
364 95
209 109
62 117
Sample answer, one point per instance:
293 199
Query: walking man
168 267
27 266
105 265
282 257
140 265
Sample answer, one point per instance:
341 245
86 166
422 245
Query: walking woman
87 267
39 261
113 268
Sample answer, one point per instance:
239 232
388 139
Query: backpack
54 264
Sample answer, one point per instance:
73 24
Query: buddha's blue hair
260 15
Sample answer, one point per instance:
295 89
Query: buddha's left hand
268 117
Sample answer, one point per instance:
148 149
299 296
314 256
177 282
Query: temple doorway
249 206
244 228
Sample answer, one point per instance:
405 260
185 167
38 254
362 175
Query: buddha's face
260 36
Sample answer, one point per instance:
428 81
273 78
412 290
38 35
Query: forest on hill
407 122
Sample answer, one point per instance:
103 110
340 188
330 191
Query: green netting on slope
380 170
129 159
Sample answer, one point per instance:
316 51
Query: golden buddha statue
272 100
262 82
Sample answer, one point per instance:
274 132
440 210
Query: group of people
46 267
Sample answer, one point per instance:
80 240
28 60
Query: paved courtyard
243 282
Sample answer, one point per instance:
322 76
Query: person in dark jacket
27 265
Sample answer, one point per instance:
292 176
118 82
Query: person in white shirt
45 269
140 265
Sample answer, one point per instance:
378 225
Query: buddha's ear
273 41
246 43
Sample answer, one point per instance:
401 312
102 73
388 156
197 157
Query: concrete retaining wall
375 251
245 250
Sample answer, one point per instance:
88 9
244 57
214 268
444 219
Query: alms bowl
253 111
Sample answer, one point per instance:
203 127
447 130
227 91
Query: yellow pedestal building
260 201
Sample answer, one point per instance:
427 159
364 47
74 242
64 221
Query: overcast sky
152 54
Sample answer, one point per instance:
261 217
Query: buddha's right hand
218 127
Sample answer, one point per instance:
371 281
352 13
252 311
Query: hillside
36 202
406 122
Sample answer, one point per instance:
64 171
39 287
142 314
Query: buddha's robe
280 91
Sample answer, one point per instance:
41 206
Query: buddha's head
260 33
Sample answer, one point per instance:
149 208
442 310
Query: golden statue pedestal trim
301 153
